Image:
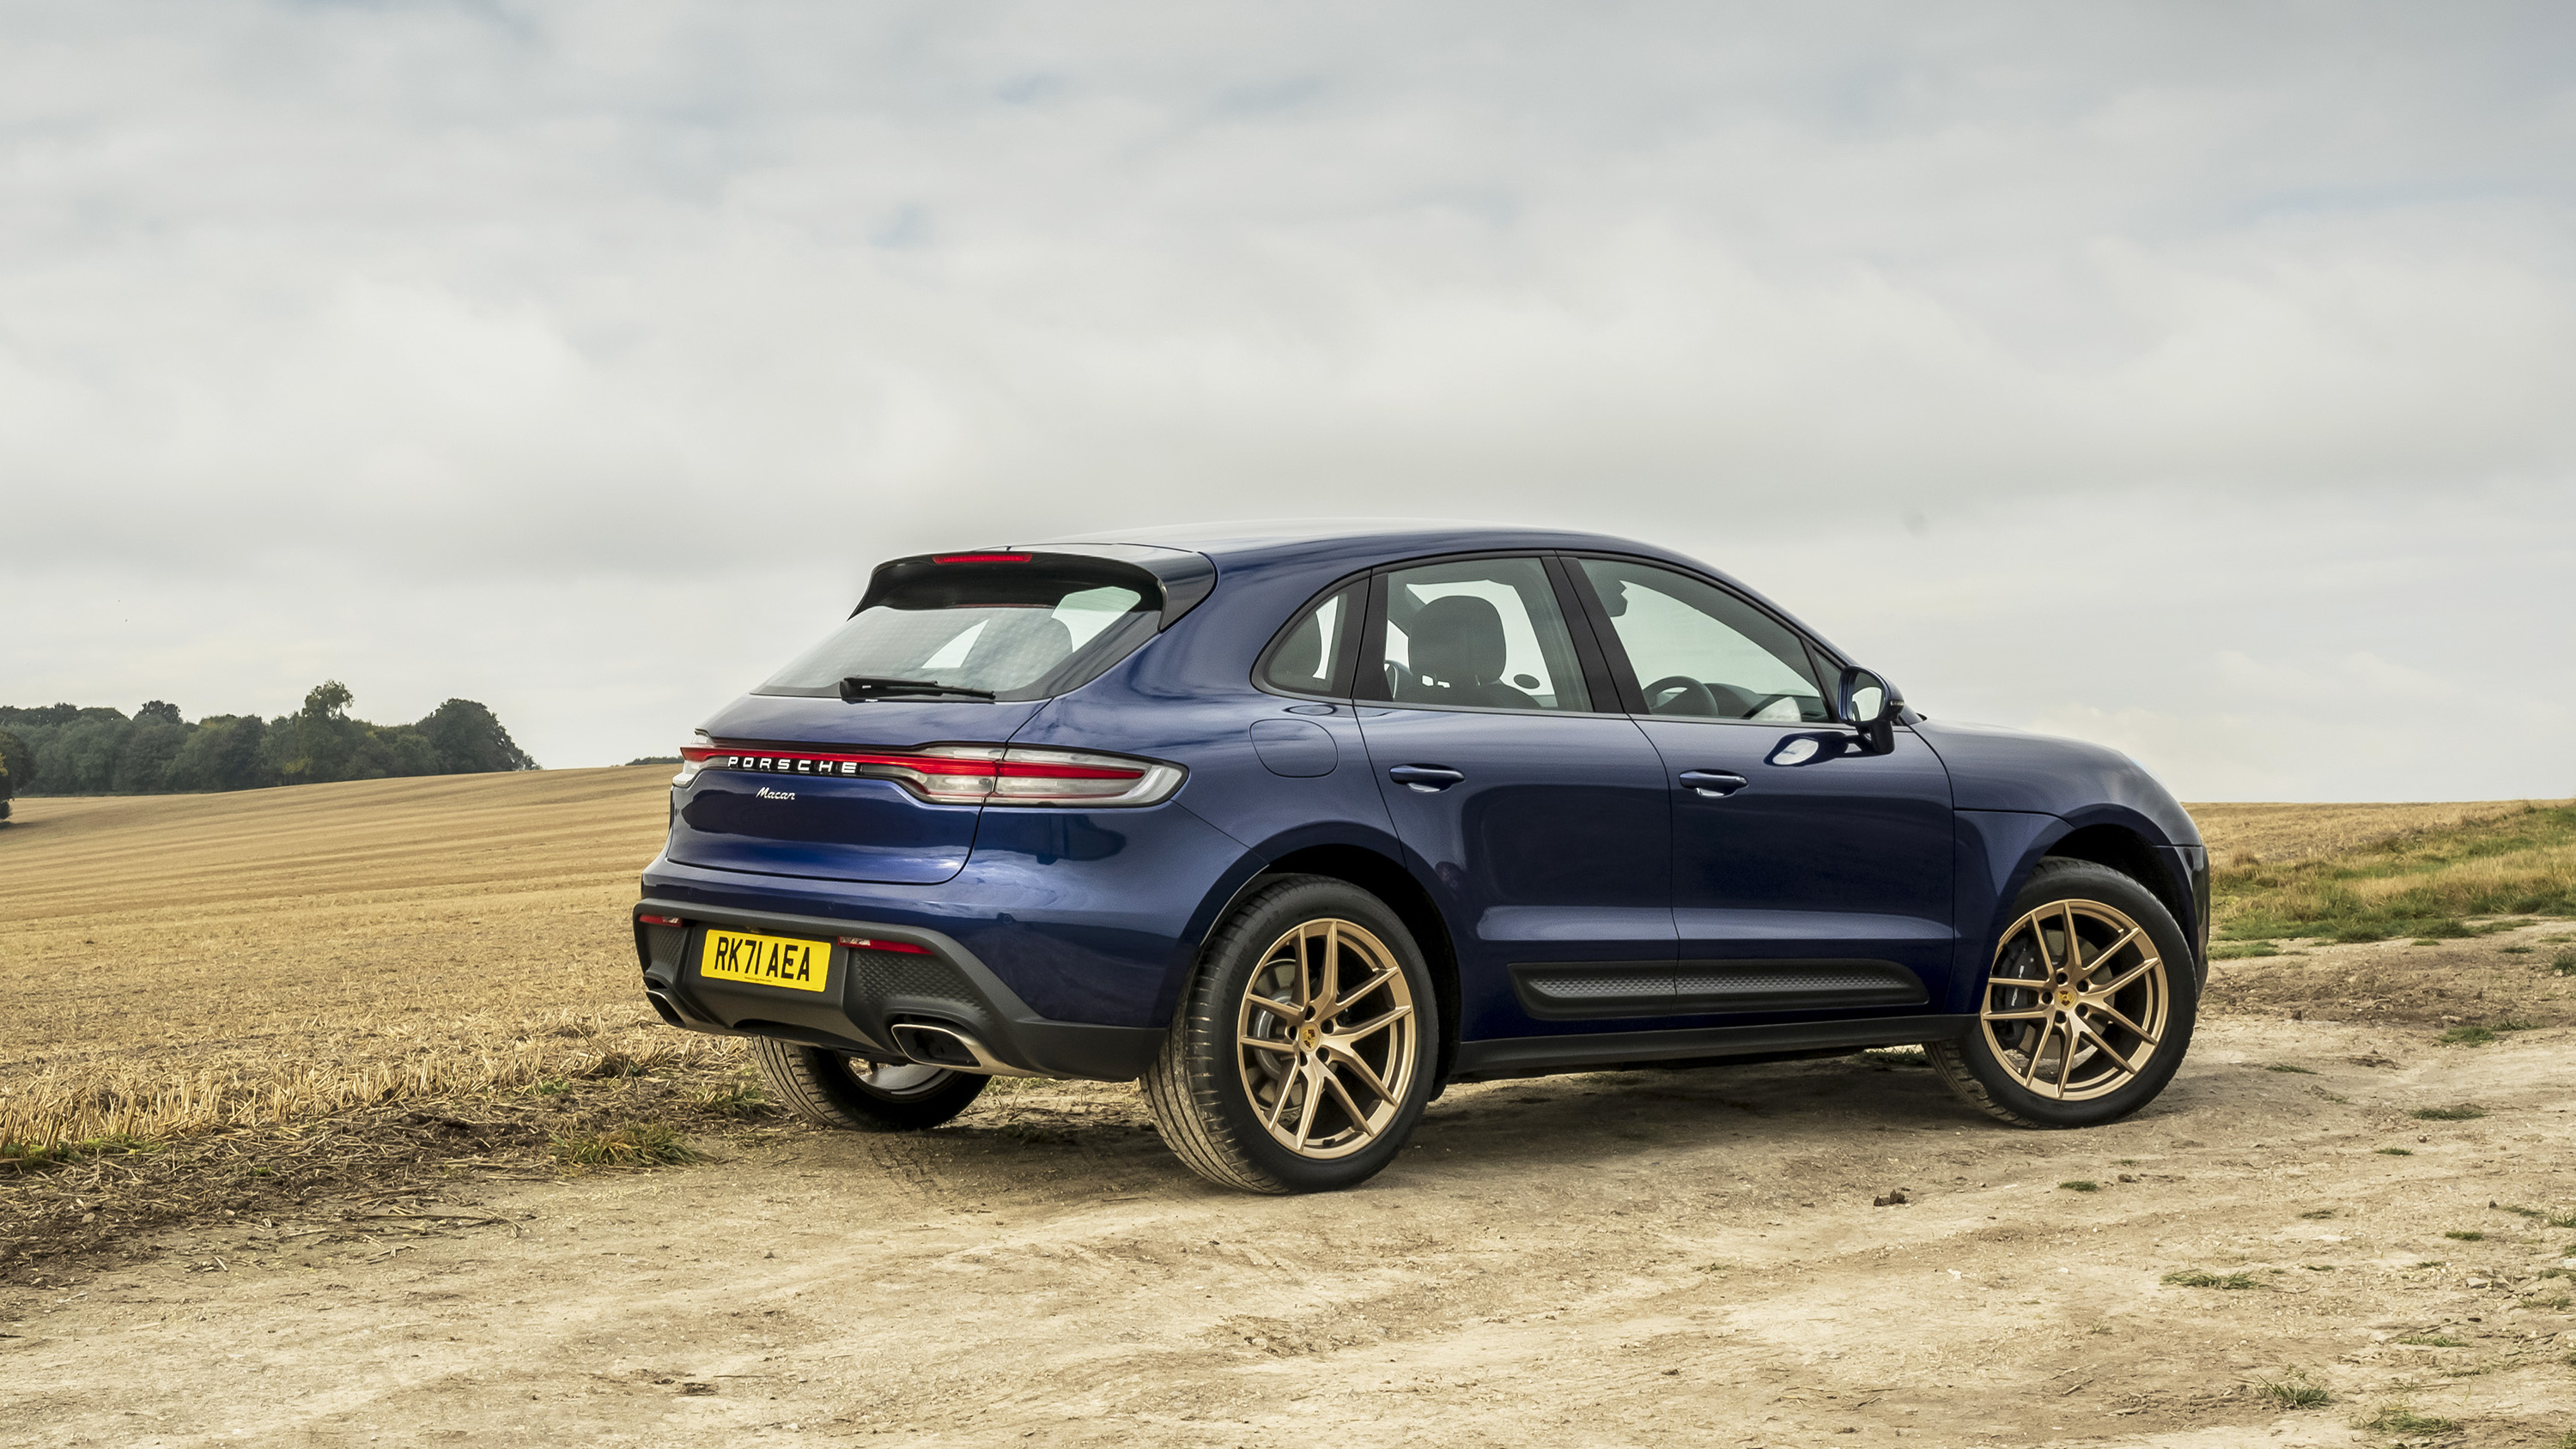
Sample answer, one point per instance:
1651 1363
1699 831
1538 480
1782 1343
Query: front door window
1701 652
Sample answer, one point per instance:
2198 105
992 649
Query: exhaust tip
946 1046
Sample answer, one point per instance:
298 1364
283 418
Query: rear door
1537 812
1806 875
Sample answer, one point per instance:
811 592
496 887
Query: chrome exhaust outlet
946 1046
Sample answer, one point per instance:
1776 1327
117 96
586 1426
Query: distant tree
150 746
322 740
80 757
470 740
222 753
17 760
158 711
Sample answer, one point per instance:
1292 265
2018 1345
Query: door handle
1429 779
1713 784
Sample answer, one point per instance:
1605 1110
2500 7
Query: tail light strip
962 774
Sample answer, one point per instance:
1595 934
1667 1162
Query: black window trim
1624 670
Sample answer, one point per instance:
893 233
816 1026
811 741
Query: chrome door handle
1429 779
1713 784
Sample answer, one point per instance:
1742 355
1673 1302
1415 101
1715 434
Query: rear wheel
840 1090
1301 1057
2087 1006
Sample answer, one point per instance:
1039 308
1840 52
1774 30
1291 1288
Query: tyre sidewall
2082 880
1221 987
846 1103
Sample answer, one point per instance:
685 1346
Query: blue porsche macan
1298 824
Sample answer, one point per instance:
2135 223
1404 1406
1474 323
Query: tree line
65 749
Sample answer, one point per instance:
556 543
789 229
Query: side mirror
1871 705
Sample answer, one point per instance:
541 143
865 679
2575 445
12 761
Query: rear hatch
836 767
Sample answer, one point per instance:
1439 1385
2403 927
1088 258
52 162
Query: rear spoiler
1177 579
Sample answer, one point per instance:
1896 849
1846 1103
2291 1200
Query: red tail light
660 921
877 943
964 774
941 558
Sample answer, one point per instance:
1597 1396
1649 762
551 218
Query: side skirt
1526 1056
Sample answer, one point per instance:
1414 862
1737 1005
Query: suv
1300 824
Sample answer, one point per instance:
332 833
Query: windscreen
1019 630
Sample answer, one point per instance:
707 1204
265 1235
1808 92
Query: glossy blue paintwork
1569 839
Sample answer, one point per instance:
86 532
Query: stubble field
335 1039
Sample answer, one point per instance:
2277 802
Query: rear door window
1019 630
1479 634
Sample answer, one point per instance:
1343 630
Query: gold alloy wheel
2076 1002
1326 1065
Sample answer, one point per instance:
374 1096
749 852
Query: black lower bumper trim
1537 1056
871 992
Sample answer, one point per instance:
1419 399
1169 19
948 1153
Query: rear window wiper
868 686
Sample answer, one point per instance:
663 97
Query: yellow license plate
768 960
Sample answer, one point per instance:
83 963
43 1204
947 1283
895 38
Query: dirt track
1651 1258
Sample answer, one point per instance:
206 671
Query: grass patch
2431 1340
33 1157
2081 1185
2562 1220
2396 1151
2287 1067
637 1144
2399 1419
2517 1210
2194 1278
2456 1112
2431 1263
2564 963
742 1099
2319 1213
2465 1235
2554 1301
2422 885
2466 1036
2243 950
2293 1390
1721 1266
2514 950
2517 1023
1901 1056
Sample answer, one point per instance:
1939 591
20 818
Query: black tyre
1301 1056
839 1090
2086 1008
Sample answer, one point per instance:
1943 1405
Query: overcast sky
2199 379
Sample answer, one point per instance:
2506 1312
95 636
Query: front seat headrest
1458 640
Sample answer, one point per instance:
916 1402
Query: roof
1250 540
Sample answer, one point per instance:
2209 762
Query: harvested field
1613 1259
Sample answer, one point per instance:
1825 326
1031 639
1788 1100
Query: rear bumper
871 997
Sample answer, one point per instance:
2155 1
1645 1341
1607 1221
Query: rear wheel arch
1390 882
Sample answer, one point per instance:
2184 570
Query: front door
1807 875
1539 816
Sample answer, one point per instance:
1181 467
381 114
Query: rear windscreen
1019 630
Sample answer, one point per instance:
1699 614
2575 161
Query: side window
1699 650
1483 633
1306 656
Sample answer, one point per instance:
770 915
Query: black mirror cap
1877 726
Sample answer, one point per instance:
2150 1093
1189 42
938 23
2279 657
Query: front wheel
2087 1006
1301 1057
840 1090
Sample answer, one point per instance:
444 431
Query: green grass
742 1099
2423 886
2564 963
2517 1023
2319 1213
2513 950
2456 1112
2194 1278
2287 1067
2081 1185
2516 1209
2243 950
2562 1220
2432 1340
637 1144
2396 1151
2292 1390
2465 1235
2466 1036
28 1157
2554 1301
2399 1419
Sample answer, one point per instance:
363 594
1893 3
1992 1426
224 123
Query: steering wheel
1684 688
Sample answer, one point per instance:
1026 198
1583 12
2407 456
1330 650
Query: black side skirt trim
1584 990
1532 1056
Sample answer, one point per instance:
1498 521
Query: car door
1807 874
1534 807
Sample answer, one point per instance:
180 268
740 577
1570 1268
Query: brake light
947 558
965 774
875 943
